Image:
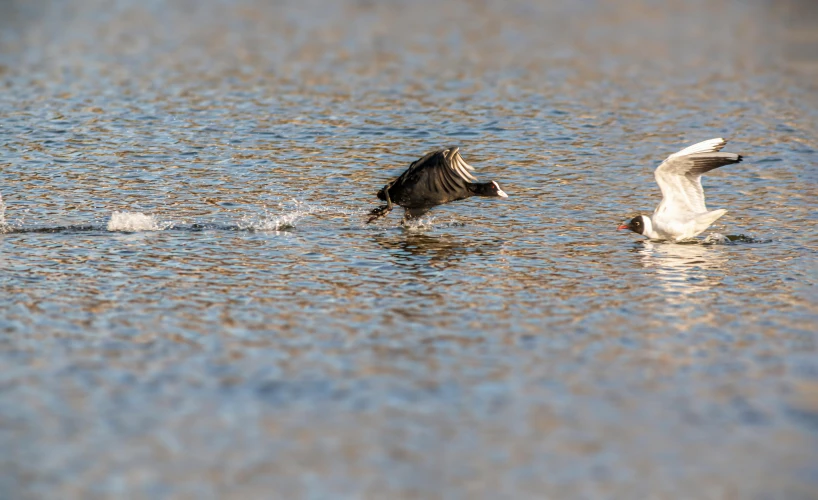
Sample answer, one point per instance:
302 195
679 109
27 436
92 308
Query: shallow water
192 305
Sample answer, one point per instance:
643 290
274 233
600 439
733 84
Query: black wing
435 178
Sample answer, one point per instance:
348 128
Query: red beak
622 226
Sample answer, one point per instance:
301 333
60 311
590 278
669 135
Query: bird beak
500 192
622 226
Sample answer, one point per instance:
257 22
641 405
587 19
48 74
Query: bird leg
379 212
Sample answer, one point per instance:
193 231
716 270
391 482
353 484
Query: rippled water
192 305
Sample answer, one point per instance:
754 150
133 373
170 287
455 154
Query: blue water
191 304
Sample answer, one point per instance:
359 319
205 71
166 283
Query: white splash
429 222
716 239
419 225
2 214
270 221
131 222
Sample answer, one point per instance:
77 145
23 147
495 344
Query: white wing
679 177
709 146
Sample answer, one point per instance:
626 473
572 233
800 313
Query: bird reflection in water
423 250
684 270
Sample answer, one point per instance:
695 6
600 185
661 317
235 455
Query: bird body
439 177
682 213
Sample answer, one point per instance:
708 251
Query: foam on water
135 221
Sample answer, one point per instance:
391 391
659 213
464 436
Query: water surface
248 336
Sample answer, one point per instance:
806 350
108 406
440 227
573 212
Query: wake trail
136 222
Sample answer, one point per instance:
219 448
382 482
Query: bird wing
445 162
441 170
708 146
679 176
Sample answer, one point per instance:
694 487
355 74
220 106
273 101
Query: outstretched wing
679 176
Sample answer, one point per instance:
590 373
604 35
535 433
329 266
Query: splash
2 215
418 225
716 239
743 238
731 239
429 222
131 222
270 221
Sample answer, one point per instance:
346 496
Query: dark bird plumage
436 178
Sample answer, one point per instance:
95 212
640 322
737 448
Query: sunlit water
193 307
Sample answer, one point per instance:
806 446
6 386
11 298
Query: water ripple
193 305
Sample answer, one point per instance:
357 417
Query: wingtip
450 151
709 146
458 164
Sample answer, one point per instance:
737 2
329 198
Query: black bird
436 178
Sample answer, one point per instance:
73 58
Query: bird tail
704 220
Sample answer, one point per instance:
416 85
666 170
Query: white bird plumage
682 213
